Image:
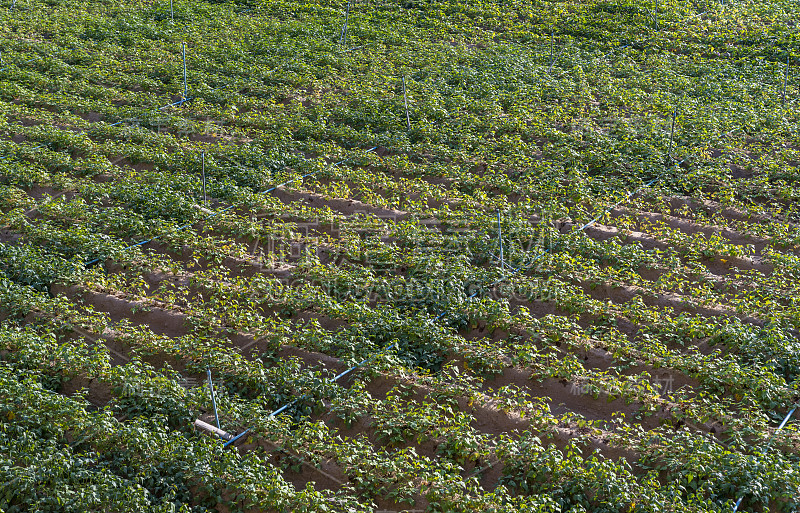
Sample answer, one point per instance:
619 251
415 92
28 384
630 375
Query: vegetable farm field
399 255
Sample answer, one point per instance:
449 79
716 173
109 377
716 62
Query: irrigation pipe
588 224
305 396
769 444
585 226
215 213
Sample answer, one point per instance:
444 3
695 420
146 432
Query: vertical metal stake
213 398
205 198
343 39
655 16
766 449
185 86
785 76
500 239
13 3
171 12
405 100
671 136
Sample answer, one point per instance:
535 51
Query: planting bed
434 256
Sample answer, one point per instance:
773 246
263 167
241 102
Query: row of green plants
545 132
